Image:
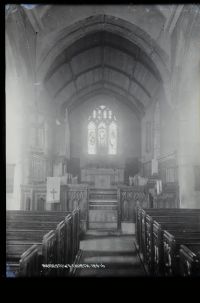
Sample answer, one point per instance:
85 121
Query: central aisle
115 254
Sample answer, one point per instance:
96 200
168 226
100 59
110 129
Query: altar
102 177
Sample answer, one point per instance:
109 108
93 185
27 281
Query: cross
53 192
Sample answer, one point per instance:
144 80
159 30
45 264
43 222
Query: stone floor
109 254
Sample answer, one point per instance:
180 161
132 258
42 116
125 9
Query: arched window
102 132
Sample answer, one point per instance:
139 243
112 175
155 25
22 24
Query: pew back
184 224
171 247
49 253
35 245
30 262
190 260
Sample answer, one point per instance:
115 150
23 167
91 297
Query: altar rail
129 196
77 196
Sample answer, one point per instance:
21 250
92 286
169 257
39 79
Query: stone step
103 204
103 215
103 201
105 218
103 207
102 193
103 225
104 188
105 198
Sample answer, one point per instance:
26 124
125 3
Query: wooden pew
171 247
189 260
152 252
76 231
153 242
30 262
63 242
15 251
146 224
19 252
69 239
64 245
26 220
14 213
28 225
24 216
32 218
25 235
156 246
141 218
49 253
17 248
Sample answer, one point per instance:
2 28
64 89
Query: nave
166 243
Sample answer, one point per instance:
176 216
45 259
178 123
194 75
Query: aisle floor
108 254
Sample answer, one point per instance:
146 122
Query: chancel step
103 194
103 191
103 204
103 201
103 225
103 208
101 219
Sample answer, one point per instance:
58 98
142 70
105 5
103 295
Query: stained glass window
91 138
102 132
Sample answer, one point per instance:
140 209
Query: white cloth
53 189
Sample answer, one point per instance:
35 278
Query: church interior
102 140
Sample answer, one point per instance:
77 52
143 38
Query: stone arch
83 96
104 23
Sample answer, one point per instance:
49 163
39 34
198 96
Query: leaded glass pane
112 142
102 134
91 138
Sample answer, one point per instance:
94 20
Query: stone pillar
189 130
156 139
